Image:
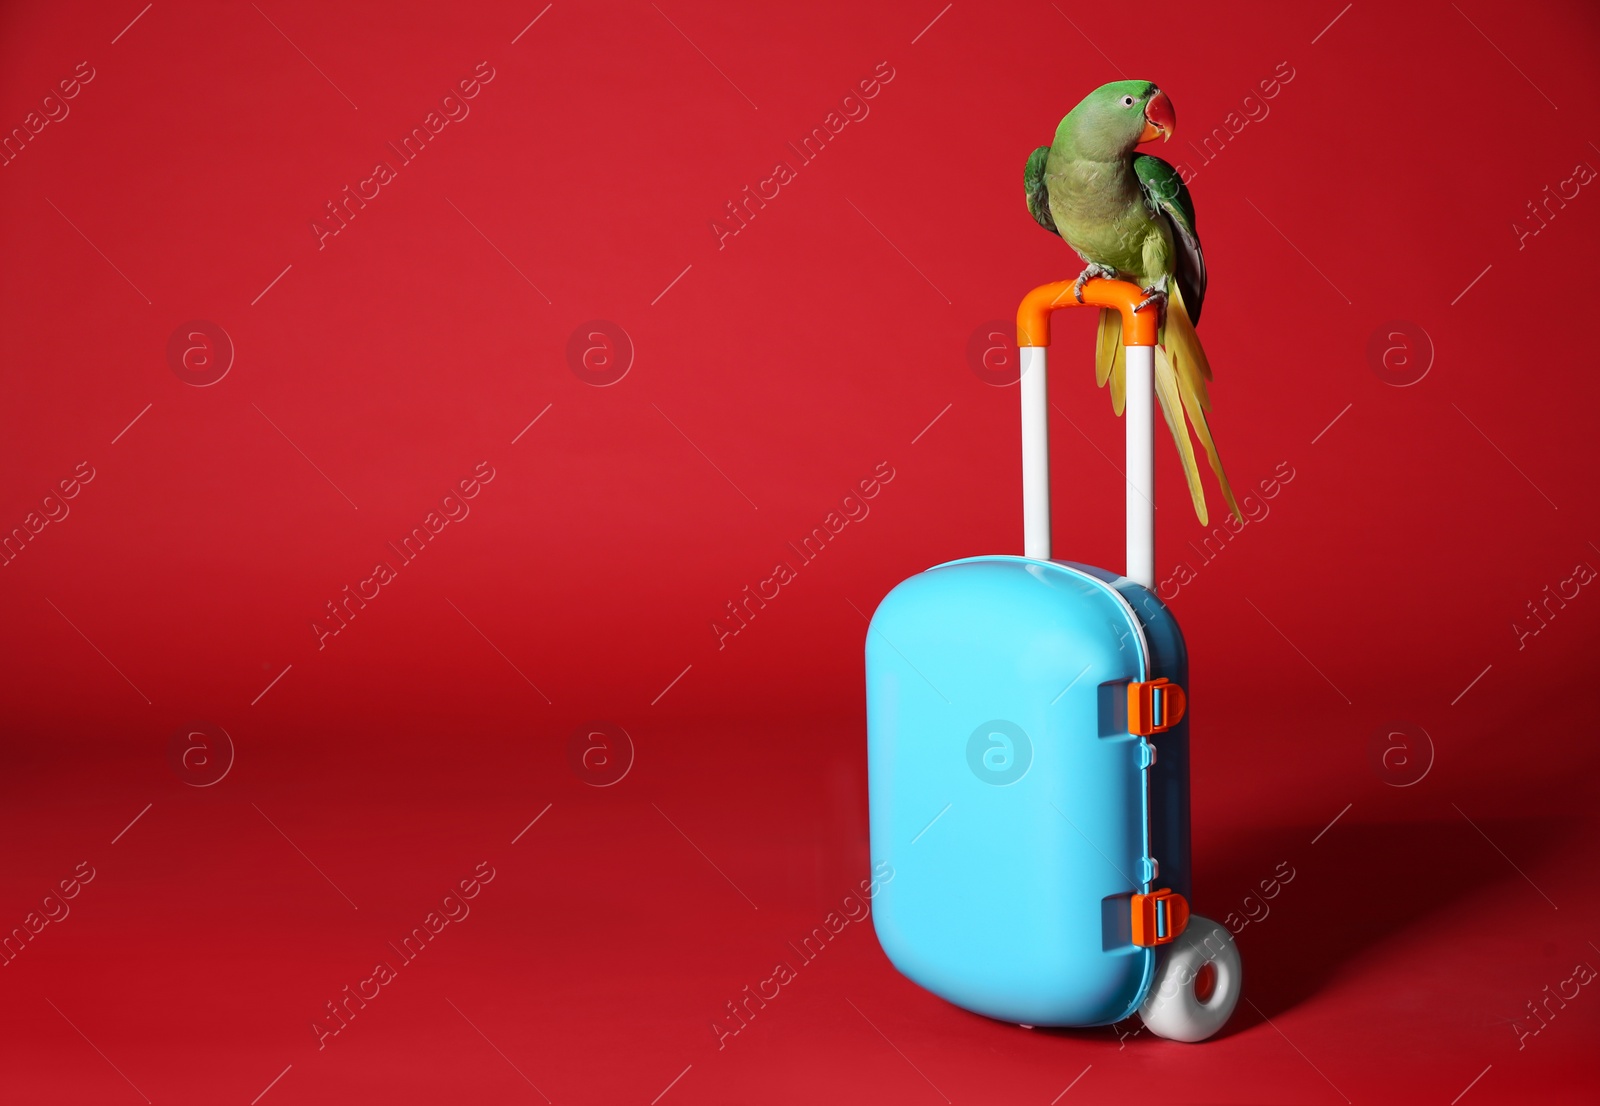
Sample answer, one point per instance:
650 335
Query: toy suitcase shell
1035 816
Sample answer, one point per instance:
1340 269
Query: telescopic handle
1139 338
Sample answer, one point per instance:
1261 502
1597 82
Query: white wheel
1197 983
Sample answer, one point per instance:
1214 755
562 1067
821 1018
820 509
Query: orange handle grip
1033 315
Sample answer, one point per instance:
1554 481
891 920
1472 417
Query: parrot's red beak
1159 119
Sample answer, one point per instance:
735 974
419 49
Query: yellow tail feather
1181 373
1189 370
1108 357
1172 408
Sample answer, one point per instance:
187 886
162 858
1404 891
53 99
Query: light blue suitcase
1028 761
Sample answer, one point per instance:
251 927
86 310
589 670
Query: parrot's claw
1090 272
1153 295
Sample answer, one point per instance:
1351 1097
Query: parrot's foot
1093 270
1153 295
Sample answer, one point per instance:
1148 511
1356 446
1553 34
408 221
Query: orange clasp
1154 706
1159 917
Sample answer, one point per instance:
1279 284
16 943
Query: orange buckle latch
1159 917
1154 706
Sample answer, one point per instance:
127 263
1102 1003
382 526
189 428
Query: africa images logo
999 752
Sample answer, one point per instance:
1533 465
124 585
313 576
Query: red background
769 376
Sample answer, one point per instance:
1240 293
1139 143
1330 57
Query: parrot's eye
1127 101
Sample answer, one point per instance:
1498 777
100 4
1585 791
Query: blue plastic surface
1007 793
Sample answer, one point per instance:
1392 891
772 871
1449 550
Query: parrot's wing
1038 194
1167 193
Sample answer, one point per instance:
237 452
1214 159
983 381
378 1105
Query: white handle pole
1139 414
1141 476
1035 389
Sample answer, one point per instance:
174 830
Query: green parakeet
1129 217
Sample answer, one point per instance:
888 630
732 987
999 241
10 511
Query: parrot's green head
1115 118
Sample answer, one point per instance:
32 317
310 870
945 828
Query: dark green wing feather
1038 194
1166 192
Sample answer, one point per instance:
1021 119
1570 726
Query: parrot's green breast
1100 210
